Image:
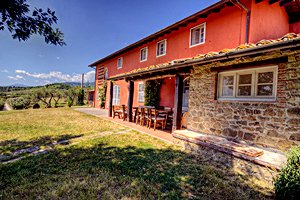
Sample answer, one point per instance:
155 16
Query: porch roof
286 43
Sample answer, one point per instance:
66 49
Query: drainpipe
247 19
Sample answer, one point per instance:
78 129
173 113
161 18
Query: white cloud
57 57
4 71
16 78
55 76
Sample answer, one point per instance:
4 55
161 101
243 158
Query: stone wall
271 124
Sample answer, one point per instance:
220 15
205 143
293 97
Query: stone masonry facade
273 124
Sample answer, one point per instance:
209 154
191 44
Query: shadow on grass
8 146
101 171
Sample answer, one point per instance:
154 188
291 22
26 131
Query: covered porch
173 95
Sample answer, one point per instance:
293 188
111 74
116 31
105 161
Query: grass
107 161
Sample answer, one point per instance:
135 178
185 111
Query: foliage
102 94
80 97
71 95
19 103
287 184
15 18
2 103
152 92
44 95
36 106
60 86
57 95
70 103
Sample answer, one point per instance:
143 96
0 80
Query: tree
57 95
44 95
71 95
15 18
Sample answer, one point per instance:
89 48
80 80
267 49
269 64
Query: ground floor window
141 93
258 83
116 95
185 96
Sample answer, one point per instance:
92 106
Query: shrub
287 184
70 103
36 106
152 92
2 102
19 103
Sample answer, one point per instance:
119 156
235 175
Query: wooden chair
147 116
158 119
140 118
117 111
134 114
184 120
124 112
169 122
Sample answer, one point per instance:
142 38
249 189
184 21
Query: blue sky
93 29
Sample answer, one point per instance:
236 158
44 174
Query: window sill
157 56
247 99
143 61
191 46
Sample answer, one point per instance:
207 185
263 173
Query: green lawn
107 161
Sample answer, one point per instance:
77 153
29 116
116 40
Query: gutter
247 20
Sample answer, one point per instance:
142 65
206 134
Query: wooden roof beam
273 1
258 1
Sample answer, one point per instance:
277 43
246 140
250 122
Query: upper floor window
258 84
161 48
120 63
106 74
197 36
116 95
144 54
141 92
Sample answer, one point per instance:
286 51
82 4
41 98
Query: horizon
87 39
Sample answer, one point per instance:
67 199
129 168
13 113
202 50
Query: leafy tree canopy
14 16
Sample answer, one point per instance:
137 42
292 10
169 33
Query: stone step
222 142
257 155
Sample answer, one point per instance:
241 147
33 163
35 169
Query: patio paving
161 135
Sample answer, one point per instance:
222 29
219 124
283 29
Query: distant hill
88 84
17 85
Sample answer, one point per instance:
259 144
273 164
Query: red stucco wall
267 21
295 27
167 92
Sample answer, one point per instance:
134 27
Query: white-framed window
106 74
248 84
144 54
141 93
161 48
116 95
197 35
120 63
